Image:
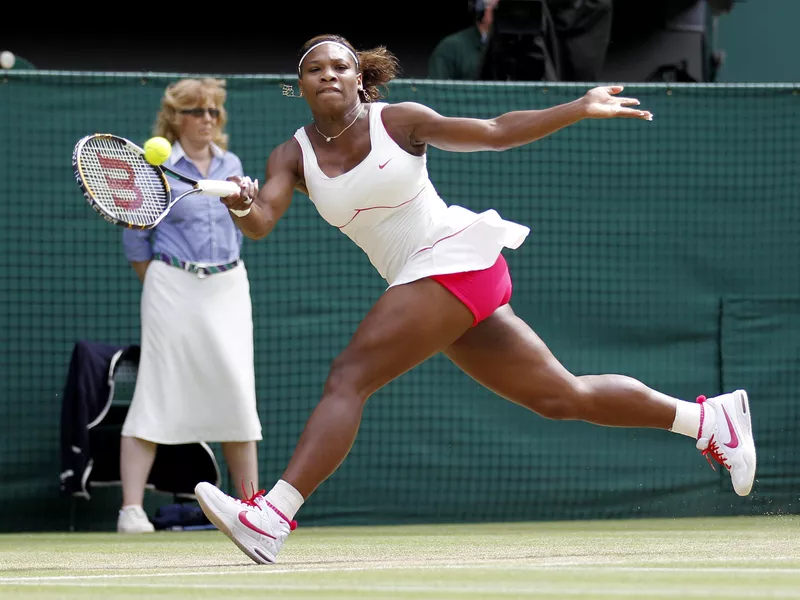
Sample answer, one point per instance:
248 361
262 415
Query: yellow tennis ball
157 150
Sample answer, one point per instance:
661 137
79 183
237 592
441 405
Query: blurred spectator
569 38
460 54
583 32
196 379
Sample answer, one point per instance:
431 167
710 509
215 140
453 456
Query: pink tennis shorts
483 292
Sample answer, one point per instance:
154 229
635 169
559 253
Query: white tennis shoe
255 526
729 440
133 519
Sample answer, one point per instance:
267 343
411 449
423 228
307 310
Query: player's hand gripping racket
127 190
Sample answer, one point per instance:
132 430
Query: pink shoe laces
252 501
712 449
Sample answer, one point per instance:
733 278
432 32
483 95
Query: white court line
270 571
492 590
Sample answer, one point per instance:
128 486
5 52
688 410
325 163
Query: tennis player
362 162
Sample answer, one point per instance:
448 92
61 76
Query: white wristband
241 213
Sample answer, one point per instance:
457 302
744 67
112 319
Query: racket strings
122 182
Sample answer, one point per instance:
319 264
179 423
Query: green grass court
726 558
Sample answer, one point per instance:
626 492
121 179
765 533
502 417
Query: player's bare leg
506 356
406 326
503 354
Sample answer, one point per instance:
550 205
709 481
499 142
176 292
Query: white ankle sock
687 418
285 498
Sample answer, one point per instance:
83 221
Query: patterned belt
202 271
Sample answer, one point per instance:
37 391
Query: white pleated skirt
196 380
462 241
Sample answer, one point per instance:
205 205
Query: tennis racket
127 190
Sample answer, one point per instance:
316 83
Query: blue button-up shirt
198 228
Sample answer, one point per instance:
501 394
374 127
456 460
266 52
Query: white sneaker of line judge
254 525
726 434
133 519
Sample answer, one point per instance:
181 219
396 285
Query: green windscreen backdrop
666 250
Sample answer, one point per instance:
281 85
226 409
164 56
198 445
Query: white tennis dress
388 206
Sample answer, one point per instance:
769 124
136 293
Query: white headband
302 58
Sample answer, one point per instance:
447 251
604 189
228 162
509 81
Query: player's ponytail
378 68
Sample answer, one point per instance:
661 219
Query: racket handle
217 188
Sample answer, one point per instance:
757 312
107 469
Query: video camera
523 44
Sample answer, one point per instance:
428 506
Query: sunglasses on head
200 112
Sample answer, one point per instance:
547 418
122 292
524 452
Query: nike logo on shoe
384 164
734 443
246 522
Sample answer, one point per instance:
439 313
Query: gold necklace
333 137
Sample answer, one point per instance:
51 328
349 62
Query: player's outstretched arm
425 126
272 200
